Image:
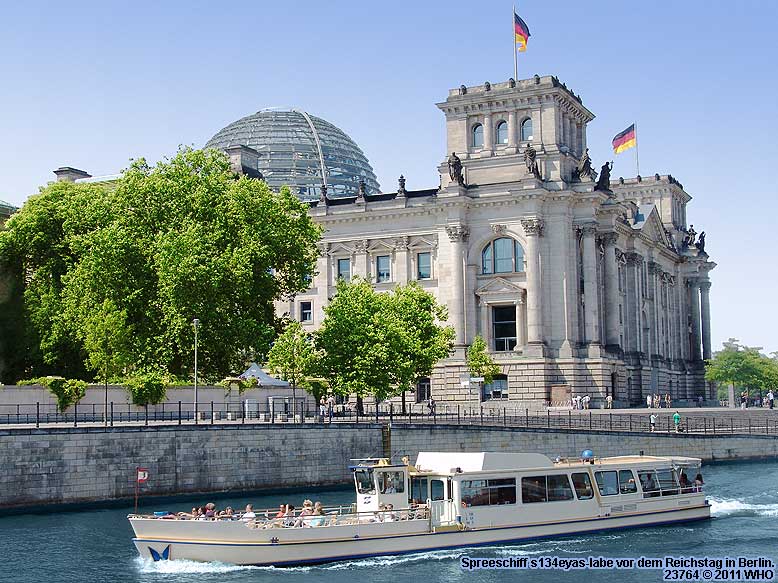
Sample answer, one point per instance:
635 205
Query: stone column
458 235
694 291
484 319
323 278
611 290
591 304
632 307
533 229
521 339
512 131
705 309
488 135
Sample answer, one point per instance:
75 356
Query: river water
96 546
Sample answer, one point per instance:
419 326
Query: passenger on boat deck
389 515
210 511
306 511
318 516
289 515
698 482
683 481
249 513
281 511
226 514
201 513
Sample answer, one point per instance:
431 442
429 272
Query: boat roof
464 462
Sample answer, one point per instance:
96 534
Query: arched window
503 255
478 136
526 130
502 133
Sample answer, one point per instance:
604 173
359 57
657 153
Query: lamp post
196 325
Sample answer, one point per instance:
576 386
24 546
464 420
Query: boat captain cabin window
616 482
364 479
391 482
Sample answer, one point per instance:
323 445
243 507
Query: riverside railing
724 422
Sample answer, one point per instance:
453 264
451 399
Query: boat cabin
493 488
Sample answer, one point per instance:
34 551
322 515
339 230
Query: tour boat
446 500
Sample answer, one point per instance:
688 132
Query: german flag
521 31
625 140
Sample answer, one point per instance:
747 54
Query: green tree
743 367
479 363
379 344
185 239
294 357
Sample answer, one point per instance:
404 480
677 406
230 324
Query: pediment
341 249
651 226
499 285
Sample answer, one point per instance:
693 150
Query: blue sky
93 84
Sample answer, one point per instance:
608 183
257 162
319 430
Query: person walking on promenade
648 401
609 402
677 420
668 400
586 400
652 421
330 406
322 408
743 400
770 398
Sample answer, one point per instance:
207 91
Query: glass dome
301 151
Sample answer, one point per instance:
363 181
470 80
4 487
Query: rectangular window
583 486
648 483
667 482
306 311
344 269
497 389
607 483
419 488
533 489
437 490
559 488
391 482
504 328
492 492
423 390
627 484
424 266
382 268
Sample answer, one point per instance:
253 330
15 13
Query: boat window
533 489
667 482
583 486
627 484
490 492
364 480
419 490
437 491
607 482
648 483
391 482
559 488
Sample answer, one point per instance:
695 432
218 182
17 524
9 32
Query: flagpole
637 158
513 42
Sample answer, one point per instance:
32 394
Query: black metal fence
726 422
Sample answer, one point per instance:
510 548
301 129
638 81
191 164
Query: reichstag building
579 282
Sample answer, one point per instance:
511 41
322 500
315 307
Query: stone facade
576 290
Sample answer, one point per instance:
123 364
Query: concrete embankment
79 465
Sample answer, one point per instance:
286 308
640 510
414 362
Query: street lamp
196 325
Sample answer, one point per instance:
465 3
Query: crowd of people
655 401
747 400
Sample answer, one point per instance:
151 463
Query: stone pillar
521 339
591 304
488 135
512 131
484 319
324 276
705 309
694 291
632 307
458 235
611 291
401 263
360 259
533 229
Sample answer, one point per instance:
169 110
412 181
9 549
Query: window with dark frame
306 311
382 269
424 265
344 269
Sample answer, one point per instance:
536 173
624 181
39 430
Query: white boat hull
239 545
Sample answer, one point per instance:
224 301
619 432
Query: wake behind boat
445 500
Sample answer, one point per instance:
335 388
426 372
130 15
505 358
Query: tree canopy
378 343
160 246
293 356
479 363
742 366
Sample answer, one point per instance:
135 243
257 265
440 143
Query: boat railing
442 512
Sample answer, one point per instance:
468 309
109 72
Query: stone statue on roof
455 169
700 244
691 235
604 183
585 170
